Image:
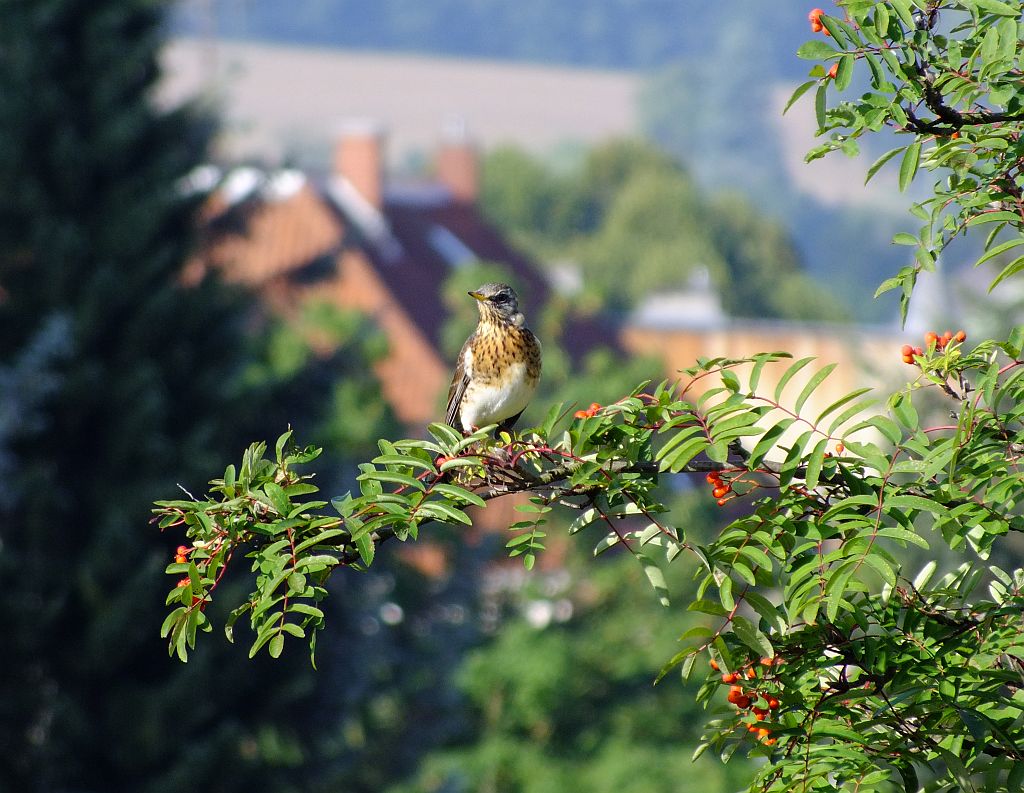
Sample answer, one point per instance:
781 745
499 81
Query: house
367 244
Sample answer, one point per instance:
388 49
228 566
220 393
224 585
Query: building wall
862 358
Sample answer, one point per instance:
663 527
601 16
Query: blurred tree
632 209
562 698
116 382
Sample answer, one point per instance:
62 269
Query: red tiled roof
259 240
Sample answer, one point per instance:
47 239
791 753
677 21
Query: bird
498 367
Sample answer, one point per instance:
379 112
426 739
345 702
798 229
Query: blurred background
222 217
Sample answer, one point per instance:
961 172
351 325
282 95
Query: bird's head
498 303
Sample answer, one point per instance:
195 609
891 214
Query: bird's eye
501 297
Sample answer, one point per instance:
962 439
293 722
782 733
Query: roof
260 228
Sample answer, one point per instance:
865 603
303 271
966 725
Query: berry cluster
933 341
590 412
754 704
815 19
720 489
181 557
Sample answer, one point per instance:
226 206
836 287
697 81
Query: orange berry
763 732
960 336
918 351
713 664
771 741
722 490
815 19
736 694
180 559
751 674
721 502
581 414
908 359
955 135
752 727
766 661
730 677
743 703
947 335
773 703
833 71
182 582
759 713
594 406
840 448
906 349
182 550
713 477
930 338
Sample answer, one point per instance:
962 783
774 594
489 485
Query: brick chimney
359 157
457 164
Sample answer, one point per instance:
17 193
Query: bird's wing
458 387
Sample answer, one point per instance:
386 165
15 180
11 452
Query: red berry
721 502
771 741
815 19
742 703
918 351
833 71
735 694
960 336
906 349
730 677
930 338
773 703
721 490
751 674
713 478
581 414
182 582
713 664
182 550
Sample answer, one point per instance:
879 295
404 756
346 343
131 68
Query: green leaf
768 441
788 375
845 72
444 513
903 8
656 578
814 463
815 50
993 252
276 645
800 91
908 165
750 635
877 164
1012 268
278 498
812 384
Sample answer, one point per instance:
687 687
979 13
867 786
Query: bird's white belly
490 404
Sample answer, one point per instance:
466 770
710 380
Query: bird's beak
477 295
